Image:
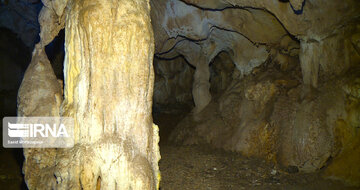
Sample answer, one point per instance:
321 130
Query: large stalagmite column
108 91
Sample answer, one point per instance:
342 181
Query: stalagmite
108 91
39 95
201 86
273 80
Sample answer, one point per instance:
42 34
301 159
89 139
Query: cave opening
245 95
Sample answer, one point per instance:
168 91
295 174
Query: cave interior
247 94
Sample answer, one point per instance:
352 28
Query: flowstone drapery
108 91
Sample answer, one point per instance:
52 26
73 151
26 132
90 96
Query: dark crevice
98 183
223 8
55 52
300 11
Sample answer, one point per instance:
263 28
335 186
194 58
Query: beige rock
264 112
347 141
257 117
108 91
201 86
49 31
327 58
237 122
40 92
317 20
297 4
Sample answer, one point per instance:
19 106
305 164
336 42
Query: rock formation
286 102
108 91
277 80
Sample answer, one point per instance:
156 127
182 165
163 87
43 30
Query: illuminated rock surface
272 80
116 143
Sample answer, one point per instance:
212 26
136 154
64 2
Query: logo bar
38 132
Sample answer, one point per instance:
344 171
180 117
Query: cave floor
202 167
196 167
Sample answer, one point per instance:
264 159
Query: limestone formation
277 80
199 35
269 119
346 137
108 91
288 118
316 19
40 95
201 85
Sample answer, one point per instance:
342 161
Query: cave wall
200 34
288 101
14 58
265 115
21 17
173 84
